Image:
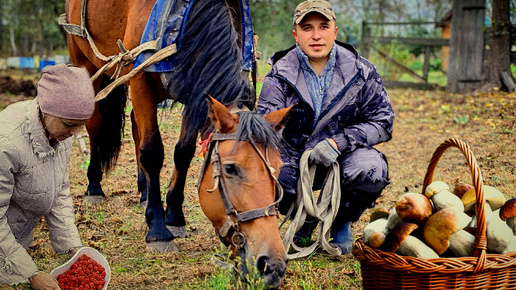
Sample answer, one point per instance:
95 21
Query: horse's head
238 189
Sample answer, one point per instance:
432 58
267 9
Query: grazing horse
237 187
208 61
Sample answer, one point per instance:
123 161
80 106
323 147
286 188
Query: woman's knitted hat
66 92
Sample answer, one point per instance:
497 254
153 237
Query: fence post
426 64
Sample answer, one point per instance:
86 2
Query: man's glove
324 153
42 280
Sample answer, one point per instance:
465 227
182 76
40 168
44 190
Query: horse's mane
208 61
252 126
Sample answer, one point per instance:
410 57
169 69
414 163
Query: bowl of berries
87 268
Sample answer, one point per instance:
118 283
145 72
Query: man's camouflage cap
319 6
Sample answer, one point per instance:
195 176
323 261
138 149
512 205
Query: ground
424 119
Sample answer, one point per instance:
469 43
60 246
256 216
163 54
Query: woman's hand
72 251
42 280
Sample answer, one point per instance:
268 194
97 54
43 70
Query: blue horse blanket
166 25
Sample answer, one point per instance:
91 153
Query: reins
324 208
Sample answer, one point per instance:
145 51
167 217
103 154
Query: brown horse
208 61
237 187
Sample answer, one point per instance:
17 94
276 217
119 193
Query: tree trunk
497 70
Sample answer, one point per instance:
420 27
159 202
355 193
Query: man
340 110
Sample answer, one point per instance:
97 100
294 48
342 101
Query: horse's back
108 21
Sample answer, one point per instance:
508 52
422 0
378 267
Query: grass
424 119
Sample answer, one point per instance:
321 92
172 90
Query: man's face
315 35
61 129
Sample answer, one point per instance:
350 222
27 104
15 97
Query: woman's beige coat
33 184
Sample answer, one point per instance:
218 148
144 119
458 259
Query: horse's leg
105 130
142 179
144 91
183 154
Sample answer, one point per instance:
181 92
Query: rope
324 209
159 55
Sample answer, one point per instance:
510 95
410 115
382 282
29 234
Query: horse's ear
278 118
220 116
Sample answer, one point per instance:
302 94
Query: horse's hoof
178 232
161 247
92 199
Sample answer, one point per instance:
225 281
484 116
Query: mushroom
498 233
441 226
378 214
441 197
512 246
414 208
378 228
400 241
508 214
393 219
460 189
493 197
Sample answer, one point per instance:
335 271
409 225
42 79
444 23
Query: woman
35 148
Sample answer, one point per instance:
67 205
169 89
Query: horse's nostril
261 264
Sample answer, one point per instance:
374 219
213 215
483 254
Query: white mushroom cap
435 187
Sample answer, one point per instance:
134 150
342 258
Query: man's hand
324 153
42 280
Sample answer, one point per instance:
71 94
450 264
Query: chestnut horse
208 61
237 187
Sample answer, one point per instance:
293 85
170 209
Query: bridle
234 218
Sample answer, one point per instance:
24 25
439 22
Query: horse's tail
110 131
208 61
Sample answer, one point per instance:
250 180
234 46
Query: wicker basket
386 270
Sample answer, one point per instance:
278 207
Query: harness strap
324 209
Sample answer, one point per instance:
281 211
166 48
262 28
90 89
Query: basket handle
480 246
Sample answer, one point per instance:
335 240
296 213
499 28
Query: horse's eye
230 169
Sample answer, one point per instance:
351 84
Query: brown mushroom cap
398 234
378 214
508 210
441 225
461 189
492 196
414 208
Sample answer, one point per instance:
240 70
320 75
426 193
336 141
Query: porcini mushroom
493 197
461 189
441 197
400 241
393 219
378 227
378 213
508 214
441 226
498 233
414 208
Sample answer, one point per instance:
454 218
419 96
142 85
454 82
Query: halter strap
214 158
